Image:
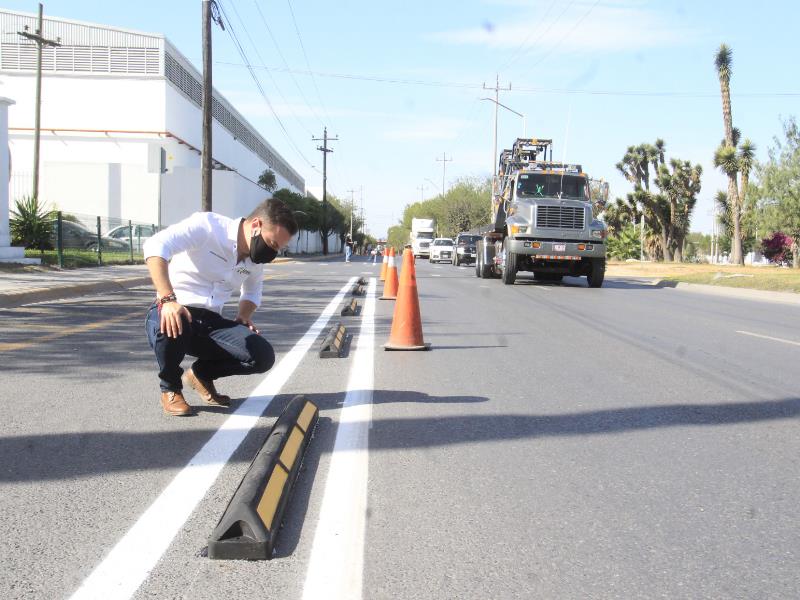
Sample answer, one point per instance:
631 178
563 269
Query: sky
401 84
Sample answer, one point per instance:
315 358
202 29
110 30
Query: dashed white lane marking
131 560
435 275
769 337
337 555
540 287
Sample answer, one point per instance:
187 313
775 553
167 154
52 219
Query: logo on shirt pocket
242 271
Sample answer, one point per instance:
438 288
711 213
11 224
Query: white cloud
609 27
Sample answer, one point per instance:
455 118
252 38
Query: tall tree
267 180
724 64
680 185
780 178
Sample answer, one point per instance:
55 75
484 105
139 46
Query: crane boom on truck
542 219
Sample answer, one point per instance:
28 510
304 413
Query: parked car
75 235
466 248
141 233
441 250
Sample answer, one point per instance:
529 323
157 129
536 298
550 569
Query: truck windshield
551 186
424 235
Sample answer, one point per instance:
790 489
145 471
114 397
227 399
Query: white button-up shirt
203 267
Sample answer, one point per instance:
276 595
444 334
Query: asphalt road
556 442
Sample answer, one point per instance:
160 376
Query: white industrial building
121 126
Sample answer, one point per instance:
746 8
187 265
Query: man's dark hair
277 213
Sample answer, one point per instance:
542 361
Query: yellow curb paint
272 495
291 448
305 417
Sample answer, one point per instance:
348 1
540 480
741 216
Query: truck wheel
597 274
510 267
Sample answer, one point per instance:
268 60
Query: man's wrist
164 299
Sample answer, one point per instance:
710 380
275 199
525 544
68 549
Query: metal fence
83 240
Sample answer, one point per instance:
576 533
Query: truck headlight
599 234
515 229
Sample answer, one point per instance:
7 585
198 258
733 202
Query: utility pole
40 41
352 204
207 99
444 160
496 89
421 189
324 149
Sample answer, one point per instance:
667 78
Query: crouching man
195 265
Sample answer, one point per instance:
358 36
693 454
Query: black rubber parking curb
248 528
61 292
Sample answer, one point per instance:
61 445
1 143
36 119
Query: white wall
94 172
122 103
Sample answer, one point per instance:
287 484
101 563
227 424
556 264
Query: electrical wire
272 79
523 89
546 31
240 49
555 47
308 64
535 30
283 59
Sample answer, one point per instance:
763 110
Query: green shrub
31 224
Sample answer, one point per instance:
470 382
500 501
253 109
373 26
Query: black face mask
260 252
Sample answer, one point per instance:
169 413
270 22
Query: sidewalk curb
741 293
14 299
62 292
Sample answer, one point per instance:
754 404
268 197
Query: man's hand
246 322
172 315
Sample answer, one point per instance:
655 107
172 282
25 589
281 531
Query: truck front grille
559 217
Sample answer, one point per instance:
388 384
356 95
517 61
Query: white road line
769 337
435 275
337 555
136 554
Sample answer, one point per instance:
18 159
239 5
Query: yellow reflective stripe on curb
272 496
291 448
305 417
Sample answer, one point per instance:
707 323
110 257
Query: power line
552 24
308 64
554 47
249 66
523 89
283 59
516 53
274 83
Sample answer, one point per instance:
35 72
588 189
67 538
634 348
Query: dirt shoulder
770 278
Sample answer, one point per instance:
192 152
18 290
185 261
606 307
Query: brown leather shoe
206 389
175 405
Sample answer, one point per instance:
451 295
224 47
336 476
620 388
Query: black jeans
222 347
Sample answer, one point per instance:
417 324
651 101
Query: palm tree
746 154
723 63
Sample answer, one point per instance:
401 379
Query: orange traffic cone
385 264
406 324
390 285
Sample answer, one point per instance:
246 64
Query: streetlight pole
496 101
444 160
